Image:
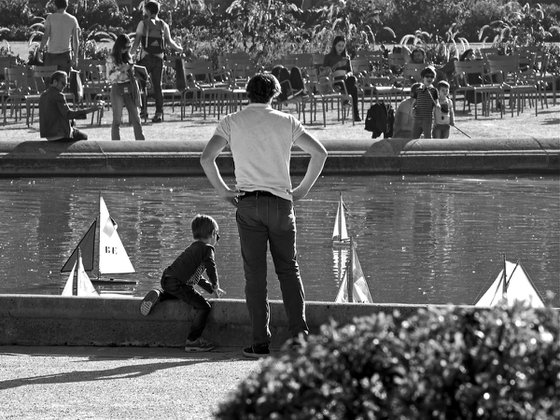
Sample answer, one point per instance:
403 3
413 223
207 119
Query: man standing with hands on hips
261 139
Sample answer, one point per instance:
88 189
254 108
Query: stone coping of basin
170 158
57 320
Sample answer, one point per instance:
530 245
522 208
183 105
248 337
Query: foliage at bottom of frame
452 363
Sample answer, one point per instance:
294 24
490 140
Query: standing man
55 114
261 139
153 35
61 37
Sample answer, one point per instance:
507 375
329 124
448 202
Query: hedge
453 363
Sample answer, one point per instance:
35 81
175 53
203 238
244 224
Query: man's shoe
157 118
357 118
200 344
256 352
149 302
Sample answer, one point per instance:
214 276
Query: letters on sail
111 255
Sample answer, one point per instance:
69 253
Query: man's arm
208 162
311 145
76 43
137 38
46 34
169 40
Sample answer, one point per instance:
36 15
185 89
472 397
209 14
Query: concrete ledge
41 320
170 158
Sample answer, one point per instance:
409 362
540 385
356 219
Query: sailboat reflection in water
353 286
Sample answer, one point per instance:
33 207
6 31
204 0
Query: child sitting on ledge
179 279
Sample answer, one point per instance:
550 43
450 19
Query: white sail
340 233
360 288
518 287
83 286
113 258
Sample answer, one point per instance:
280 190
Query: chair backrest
200 69
373 56
412 71
361 65
19 80
507 66
42 76
470 72
488 51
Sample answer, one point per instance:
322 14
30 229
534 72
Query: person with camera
55 116
444 117
124 90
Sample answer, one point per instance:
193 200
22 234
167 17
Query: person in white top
260 139
61 37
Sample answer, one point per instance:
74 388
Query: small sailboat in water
512 284
340 232
354 287
78 283
107 254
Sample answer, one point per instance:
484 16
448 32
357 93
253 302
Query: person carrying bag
124 88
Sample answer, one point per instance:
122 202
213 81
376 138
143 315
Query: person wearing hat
425 99
404 119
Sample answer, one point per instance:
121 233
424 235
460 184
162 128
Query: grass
545 125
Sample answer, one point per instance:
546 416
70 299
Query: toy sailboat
512 284
340 233
78 283
107 254
354 287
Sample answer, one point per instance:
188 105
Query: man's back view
61 38
261 139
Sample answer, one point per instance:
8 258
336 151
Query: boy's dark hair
58 75
262 88
428 70
414 88
61 4
152 7
203 226
442 83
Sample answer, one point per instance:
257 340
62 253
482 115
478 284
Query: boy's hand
218 291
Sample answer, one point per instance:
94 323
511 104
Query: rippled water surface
421 239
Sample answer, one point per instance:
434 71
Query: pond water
421 239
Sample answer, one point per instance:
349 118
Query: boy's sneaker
256 352
149 302
200 344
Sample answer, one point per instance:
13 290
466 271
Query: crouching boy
179 279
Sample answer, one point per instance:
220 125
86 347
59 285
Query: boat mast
340 210
504 285
350 271
75 278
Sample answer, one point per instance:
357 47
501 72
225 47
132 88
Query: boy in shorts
444 117
184 273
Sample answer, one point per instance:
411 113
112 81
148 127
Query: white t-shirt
261 139
62 26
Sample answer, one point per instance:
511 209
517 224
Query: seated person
293 76
417 56
404 118
55 114
338 61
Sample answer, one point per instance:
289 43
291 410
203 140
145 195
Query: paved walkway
117 382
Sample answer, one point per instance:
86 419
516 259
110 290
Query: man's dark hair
58 75
427 71
61 4
203 226
262 88
152 7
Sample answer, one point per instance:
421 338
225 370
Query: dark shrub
454 363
